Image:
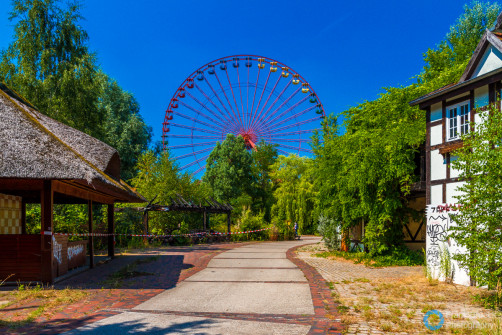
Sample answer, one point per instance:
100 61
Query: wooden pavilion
46 162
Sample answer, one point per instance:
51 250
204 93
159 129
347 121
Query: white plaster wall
438 231
477 119
481 96
454 173
436 135
436 112
436 194
438 166
452 192
492 60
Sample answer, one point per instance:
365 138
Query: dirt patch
394 300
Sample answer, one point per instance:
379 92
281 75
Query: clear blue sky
347 50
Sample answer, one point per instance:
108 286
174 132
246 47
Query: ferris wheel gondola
255 101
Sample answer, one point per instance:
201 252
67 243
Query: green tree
366 173
478 221
295 193
263 158
450 57
159 176
228 170
50 65
124 128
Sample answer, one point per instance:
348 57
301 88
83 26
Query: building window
458 120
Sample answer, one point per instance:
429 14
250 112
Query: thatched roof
34 146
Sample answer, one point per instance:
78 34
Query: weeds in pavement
115 280
398 305
33 302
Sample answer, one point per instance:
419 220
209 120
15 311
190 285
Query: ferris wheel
253 96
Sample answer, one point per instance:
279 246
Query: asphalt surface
242 291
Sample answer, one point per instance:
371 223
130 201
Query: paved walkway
170 265
254 289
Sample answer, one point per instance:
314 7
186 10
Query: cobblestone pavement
393 300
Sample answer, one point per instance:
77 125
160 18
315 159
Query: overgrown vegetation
45 300
478 220
365 164
400 257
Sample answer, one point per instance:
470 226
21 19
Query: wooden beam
46 230
23 216
111 230
91 238
468 86
475 58
14 184
145 226
79 191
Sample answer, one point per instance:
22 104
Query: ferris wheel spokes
210 106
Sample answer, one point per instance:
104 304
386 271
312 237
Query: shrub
330 232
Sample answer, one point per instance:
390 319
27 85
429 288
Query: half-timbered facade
451 112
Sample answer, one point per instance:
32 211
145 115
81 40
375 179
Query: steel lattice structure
256 97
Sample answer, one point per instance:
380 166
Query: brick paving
326 321
171 266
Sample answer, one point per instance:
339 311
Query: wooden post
46 206
111 230
23 216
91 240
145 227
205 220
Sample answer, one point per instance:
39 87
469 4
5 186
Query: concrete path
252 289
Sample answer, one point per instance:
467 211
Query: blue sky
347 50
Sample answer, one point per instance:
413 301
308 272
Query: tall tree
367 172
49 63
263 157
295 194
446 62
228 169
124 128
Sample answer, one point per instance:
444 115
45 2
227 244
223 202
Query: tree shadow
196 327
130 272
107 326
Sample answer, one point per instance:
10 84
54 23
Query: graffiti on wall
74 251
438 223
56 250
440 220
437 228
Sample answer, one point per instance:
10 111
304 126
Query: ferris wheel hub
262 100
250 139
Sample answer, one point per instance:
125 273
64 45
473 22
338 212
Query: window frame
462 114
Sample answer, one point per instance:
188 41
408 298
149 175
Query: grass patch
398 257
41 302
